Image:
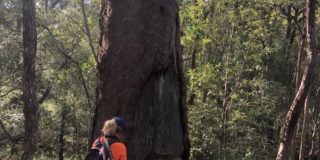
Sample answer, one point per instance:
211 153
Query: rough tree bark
30 108
297 104
141 77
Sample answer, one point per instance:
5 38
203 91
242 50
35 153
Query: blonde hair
109 127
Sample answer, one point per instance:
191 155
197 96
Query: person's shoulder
98 143
119 151
118 145
101 139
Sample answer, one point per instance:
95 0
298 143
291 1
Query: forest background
242 60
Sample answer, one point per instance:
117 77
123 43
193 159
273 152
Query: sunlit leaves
233 42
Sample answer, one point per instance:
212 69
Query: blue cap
120 121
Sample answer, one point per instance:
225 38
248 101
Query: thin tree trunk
224 118
87 30
304 128
193 66
298 65
297 104
311 154
30 108
298 77
292 150
225 102
62 132
314 135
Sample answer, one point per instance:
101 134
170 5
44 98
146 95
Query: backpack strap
108 150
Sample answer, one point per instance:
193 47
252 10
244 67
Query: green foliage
238 88
238 95
65 63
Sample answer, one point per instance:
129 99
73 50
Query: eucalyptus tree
141 77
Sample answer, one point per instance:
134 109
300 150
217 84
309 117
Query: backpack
101 149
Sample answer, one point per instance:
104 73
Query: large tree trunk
297 104
30 108
141 77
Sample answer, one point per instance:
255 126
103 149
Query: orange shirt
118 149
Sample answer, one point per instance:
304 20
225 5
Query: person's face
121 133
